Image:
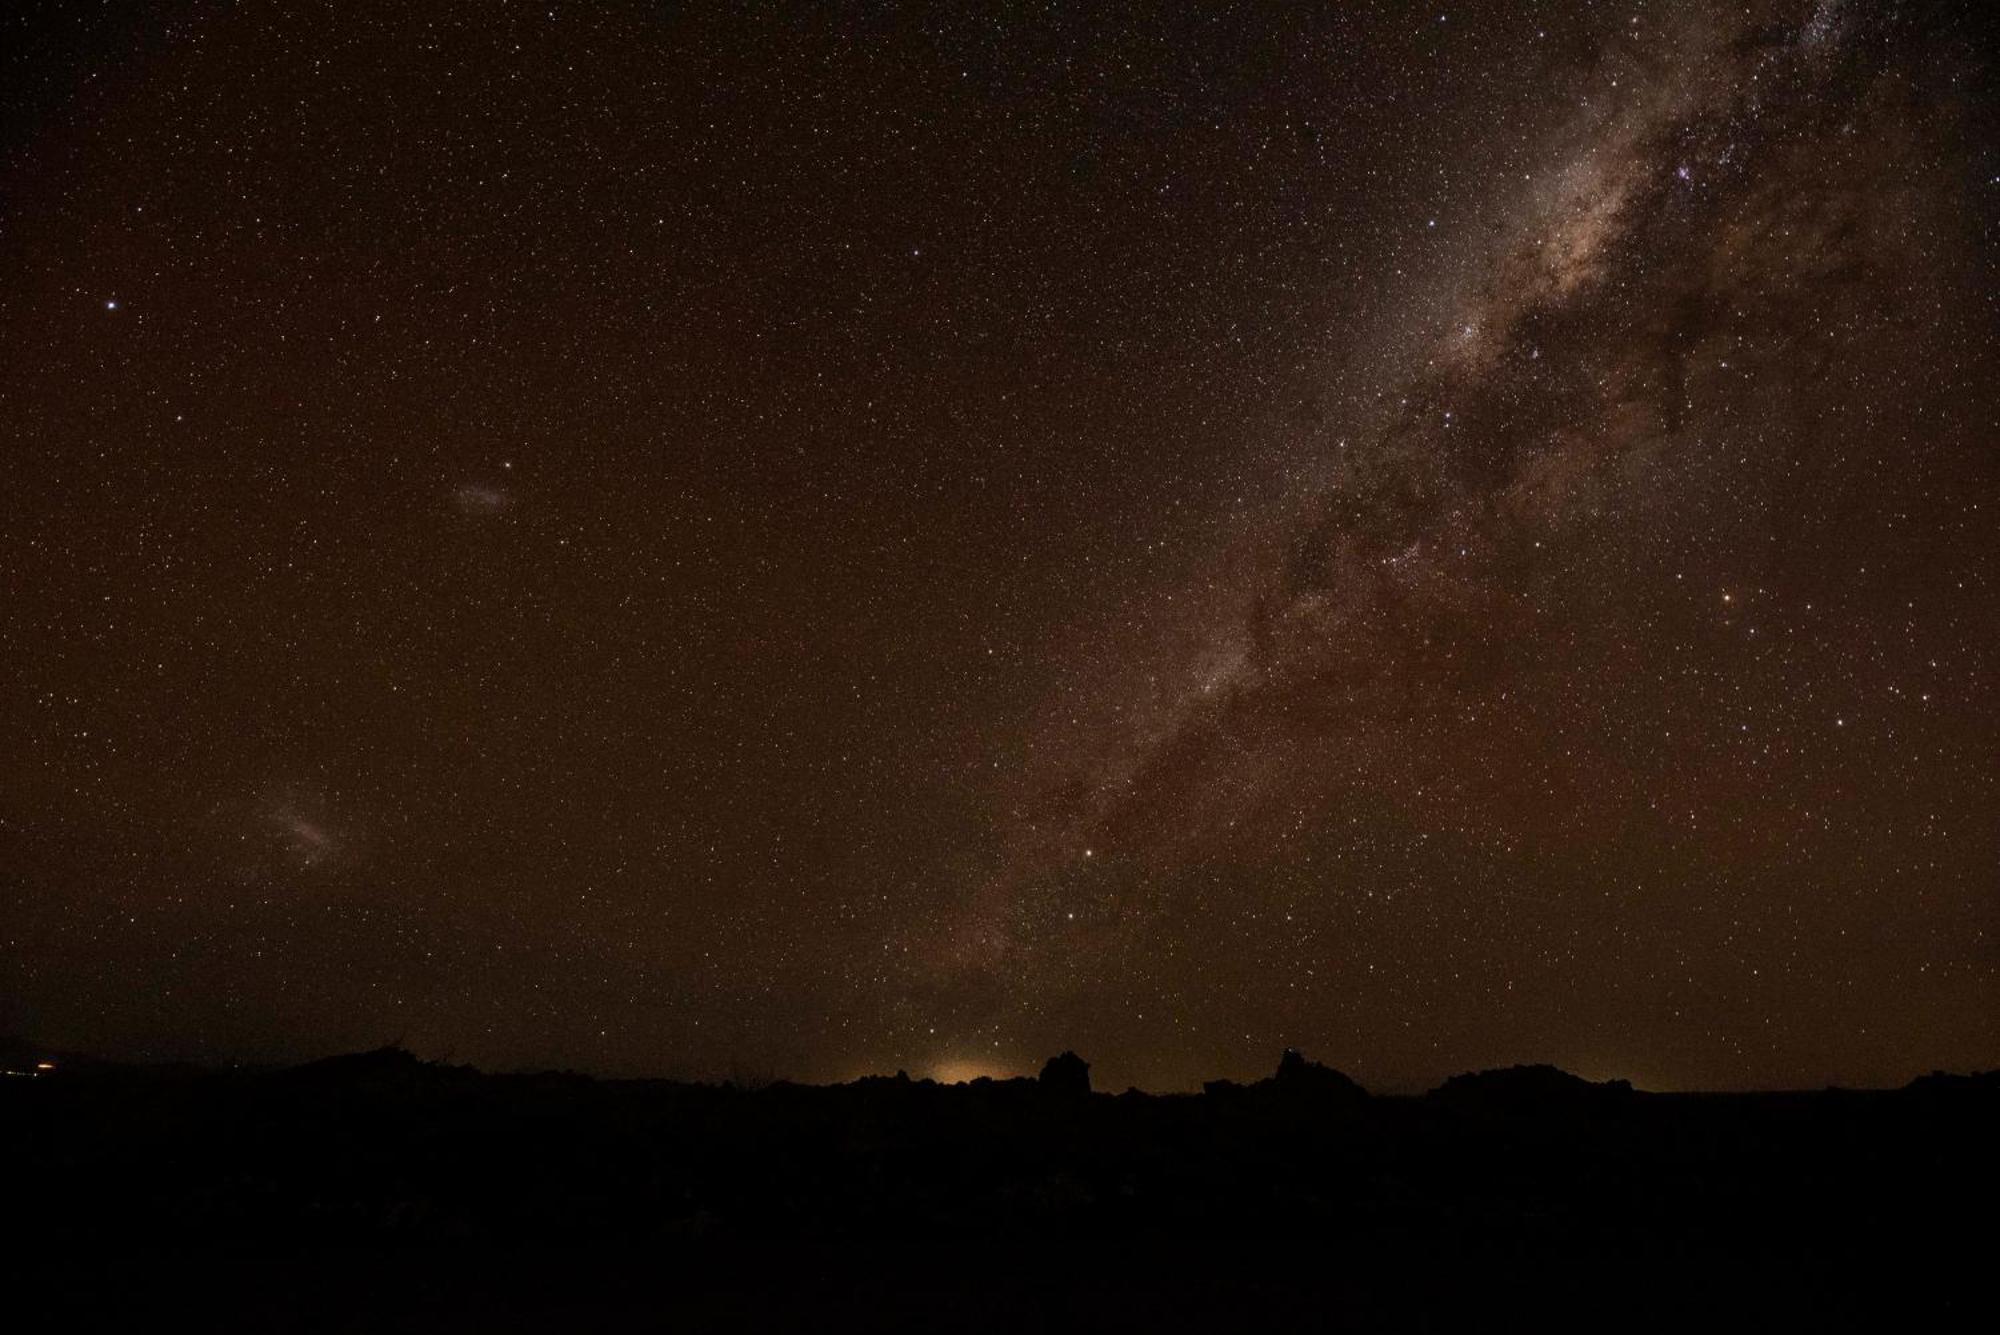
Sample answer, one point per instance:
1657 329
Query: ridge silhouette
381 1149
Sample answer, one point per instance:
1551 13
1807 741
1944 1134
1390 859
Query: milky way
771 543
1629 666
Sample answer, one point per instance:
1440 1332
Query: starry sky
748 541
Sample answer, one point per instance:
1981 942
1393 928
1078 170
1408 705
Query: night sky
671 540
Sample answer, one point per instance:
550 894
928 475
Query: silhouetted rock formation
1948 1082
386 1060
1308 1079
1525 1086
1297 1081
1066 1074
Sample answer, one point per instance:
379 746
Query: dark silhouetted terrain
376 1191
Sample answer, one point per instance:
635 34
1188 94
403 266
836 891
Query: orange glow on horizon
959 1072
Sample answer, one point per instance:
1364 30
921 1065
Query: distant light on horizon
960 1071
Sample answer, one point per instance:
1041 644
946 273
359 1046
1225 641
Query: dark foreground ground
379 1193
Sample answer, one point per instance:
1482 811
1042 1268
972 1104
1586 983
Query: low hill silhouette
1526 1087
